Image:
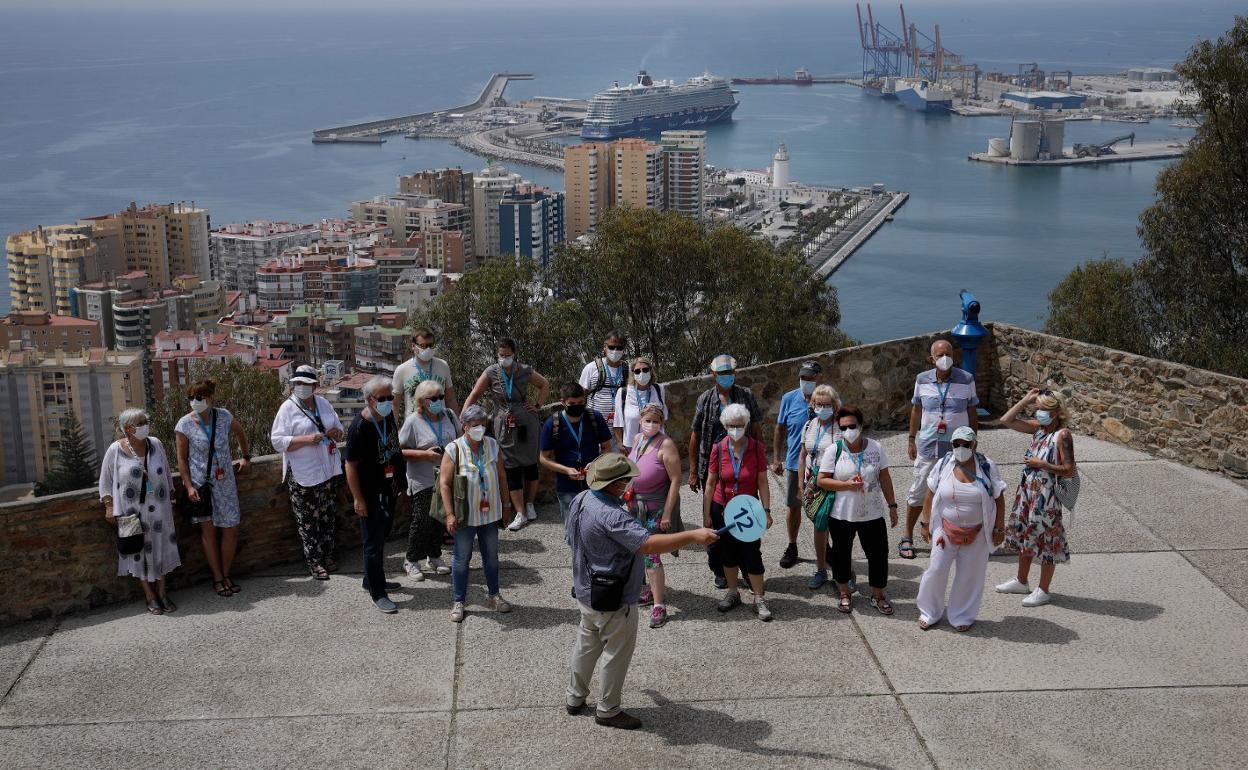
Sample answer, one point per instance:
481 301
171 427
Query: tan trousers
611 636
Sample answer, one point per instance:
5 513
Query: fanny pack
606 589
960 535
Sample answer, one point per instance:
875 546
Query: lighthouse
780 168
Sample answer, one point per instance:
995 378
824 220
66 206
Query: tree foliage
251 395
75 467
1099 302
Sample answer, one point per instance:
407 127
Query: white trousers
611 636
918 484
968 581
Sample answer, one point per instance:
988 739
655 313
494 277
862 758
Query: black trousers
873 535
374 529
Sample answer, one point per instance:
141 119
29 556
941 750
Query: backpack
602 383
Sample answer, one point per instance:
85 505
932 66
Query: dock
835 252
1160 150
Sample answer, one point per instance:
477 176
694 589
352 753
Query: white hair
734 413
130 416
428 388
375 385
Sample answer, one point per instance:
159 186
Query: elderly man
944 400
607 544
374 460
795 412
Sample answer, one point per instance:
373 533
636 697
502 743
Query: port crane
1096 150
884 53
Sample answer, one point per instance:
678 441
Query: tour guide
607 543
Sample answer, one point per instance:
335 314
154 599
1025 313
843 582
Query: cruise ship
648 106
924 96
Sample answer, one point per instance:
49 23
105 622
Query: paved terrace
1141 661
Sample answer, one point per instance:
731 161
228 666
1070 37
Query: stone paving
1141 661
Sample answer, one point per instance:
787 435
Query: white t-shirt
412 372
603 399
628 403
858 506
811 434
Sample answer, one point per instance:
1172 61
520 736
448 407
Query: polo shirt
793 415
568 451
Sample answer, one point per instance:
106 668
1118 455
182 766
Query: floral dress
1035 527
225 507
140 486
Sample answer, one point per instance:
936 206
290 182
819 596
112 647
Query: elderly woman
134 482
429 427
516 425
737 466
203 444
856 468
1036 529
306 431
964 503
372 465
477 459
655 498
818 434
641 391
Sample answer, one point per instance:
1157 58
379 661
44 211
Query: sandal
319 572
906 546
845 604
221 588
924 625
230 584
331 565
882 604
168 604
964 629
154 607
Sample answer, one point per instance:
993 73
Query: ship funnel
644 79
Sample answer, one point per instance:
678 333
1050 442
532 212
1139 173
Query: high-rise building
321 273
321 332
452 185
391 264
130 312
419 286
530 223
684 159
408 214
440 249
380 349
44 331
239 249
95 301
162 240
488 188
589 184
357 235
38 390
639 181
46 263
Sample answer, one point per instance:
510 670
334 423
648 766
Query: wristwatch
892 505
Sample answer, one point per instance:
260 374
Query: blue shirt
794 412
604 538
567 451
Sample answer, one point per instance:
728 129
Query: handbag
129 535
817 502
202 509
1066 489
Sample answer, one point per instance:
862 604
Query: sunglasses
383 399
434 398
962 443
640 371
615 347
848 427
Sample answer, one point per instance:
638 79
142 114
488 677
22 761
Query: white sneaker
530 512
760 606
498 604
441 567
413 570
1036 598
457 612
1013 586
517 523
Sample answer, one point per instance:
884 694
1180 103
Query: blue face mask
807 386
725 380
1044 417
824 412
436 407
384 408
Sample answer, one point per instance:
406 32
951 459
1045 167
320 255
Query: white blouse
987 487
310 465
628 404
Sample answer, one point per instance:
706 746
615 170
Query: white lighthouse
780 168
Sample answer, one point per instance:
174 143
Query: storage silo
1025 140
1054 135
997 148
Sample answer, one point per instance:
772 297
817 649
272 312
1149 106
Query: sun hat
965 433
609 468
306 375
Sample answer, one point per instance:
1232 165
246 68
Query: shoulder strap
212 447
659 389
602 377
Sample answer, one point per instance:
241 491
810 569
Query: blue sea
102 107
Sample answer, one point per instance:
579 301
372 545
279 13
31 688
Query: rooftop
40 318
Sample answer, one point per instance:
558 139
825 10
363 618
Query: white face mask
476 432
736 433
304 391
141 431
506 361
851 435
944 363
962 453
643 379
614 356
649 428
425 354
199 405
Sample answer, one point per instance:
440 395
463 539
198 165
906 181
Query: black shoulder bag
202 509
606 589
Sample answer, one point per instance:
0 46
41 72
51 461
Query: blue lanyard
943 394
210 433
576 432
507 381
384 432
858 458
479 462
424 375
640 451
641 404
431 426
613 380
822 429
736 464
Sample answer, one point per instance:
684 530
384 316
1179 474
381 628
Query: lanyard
383 430
943 394
641 403
314 416
858 458
432 427
478 459
576 432
736 464
508 381
640 451
210 433
424 375
614 381
820 430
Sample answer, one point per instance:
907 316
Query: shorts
793 497
732 552
520 475
918 487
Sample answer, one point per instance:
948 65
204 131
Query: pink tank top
653 476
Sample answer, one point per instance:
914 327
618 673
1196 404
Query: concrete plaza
1140 661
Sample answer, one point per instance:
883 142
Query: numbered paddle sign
745 518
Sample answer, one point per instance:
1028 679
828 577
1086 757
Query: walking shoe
647 596
385 605
498 604
439 566
658 616
721 582
818 579
457 612
790 557
620 721
530 512
574 710
517 523
760 606
1036 598
413 571
731 599
1013 586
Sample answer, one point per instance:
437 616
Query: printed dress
225 506
1035 527
141 487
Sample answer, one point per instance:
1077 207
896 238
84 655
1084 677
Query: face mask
807 386
574 410
944 363
962 453
304 391
476 432
141 431
425 354
506 361
199 405
1044 416
384 408
642 379
436 407
725 381
614 356
736 433
851 434
649 428
824 412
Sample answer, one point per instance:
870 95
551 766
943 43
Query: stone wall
1192 416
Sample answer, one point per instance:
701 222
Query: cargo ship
924 96
801 77
885 88
648 106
